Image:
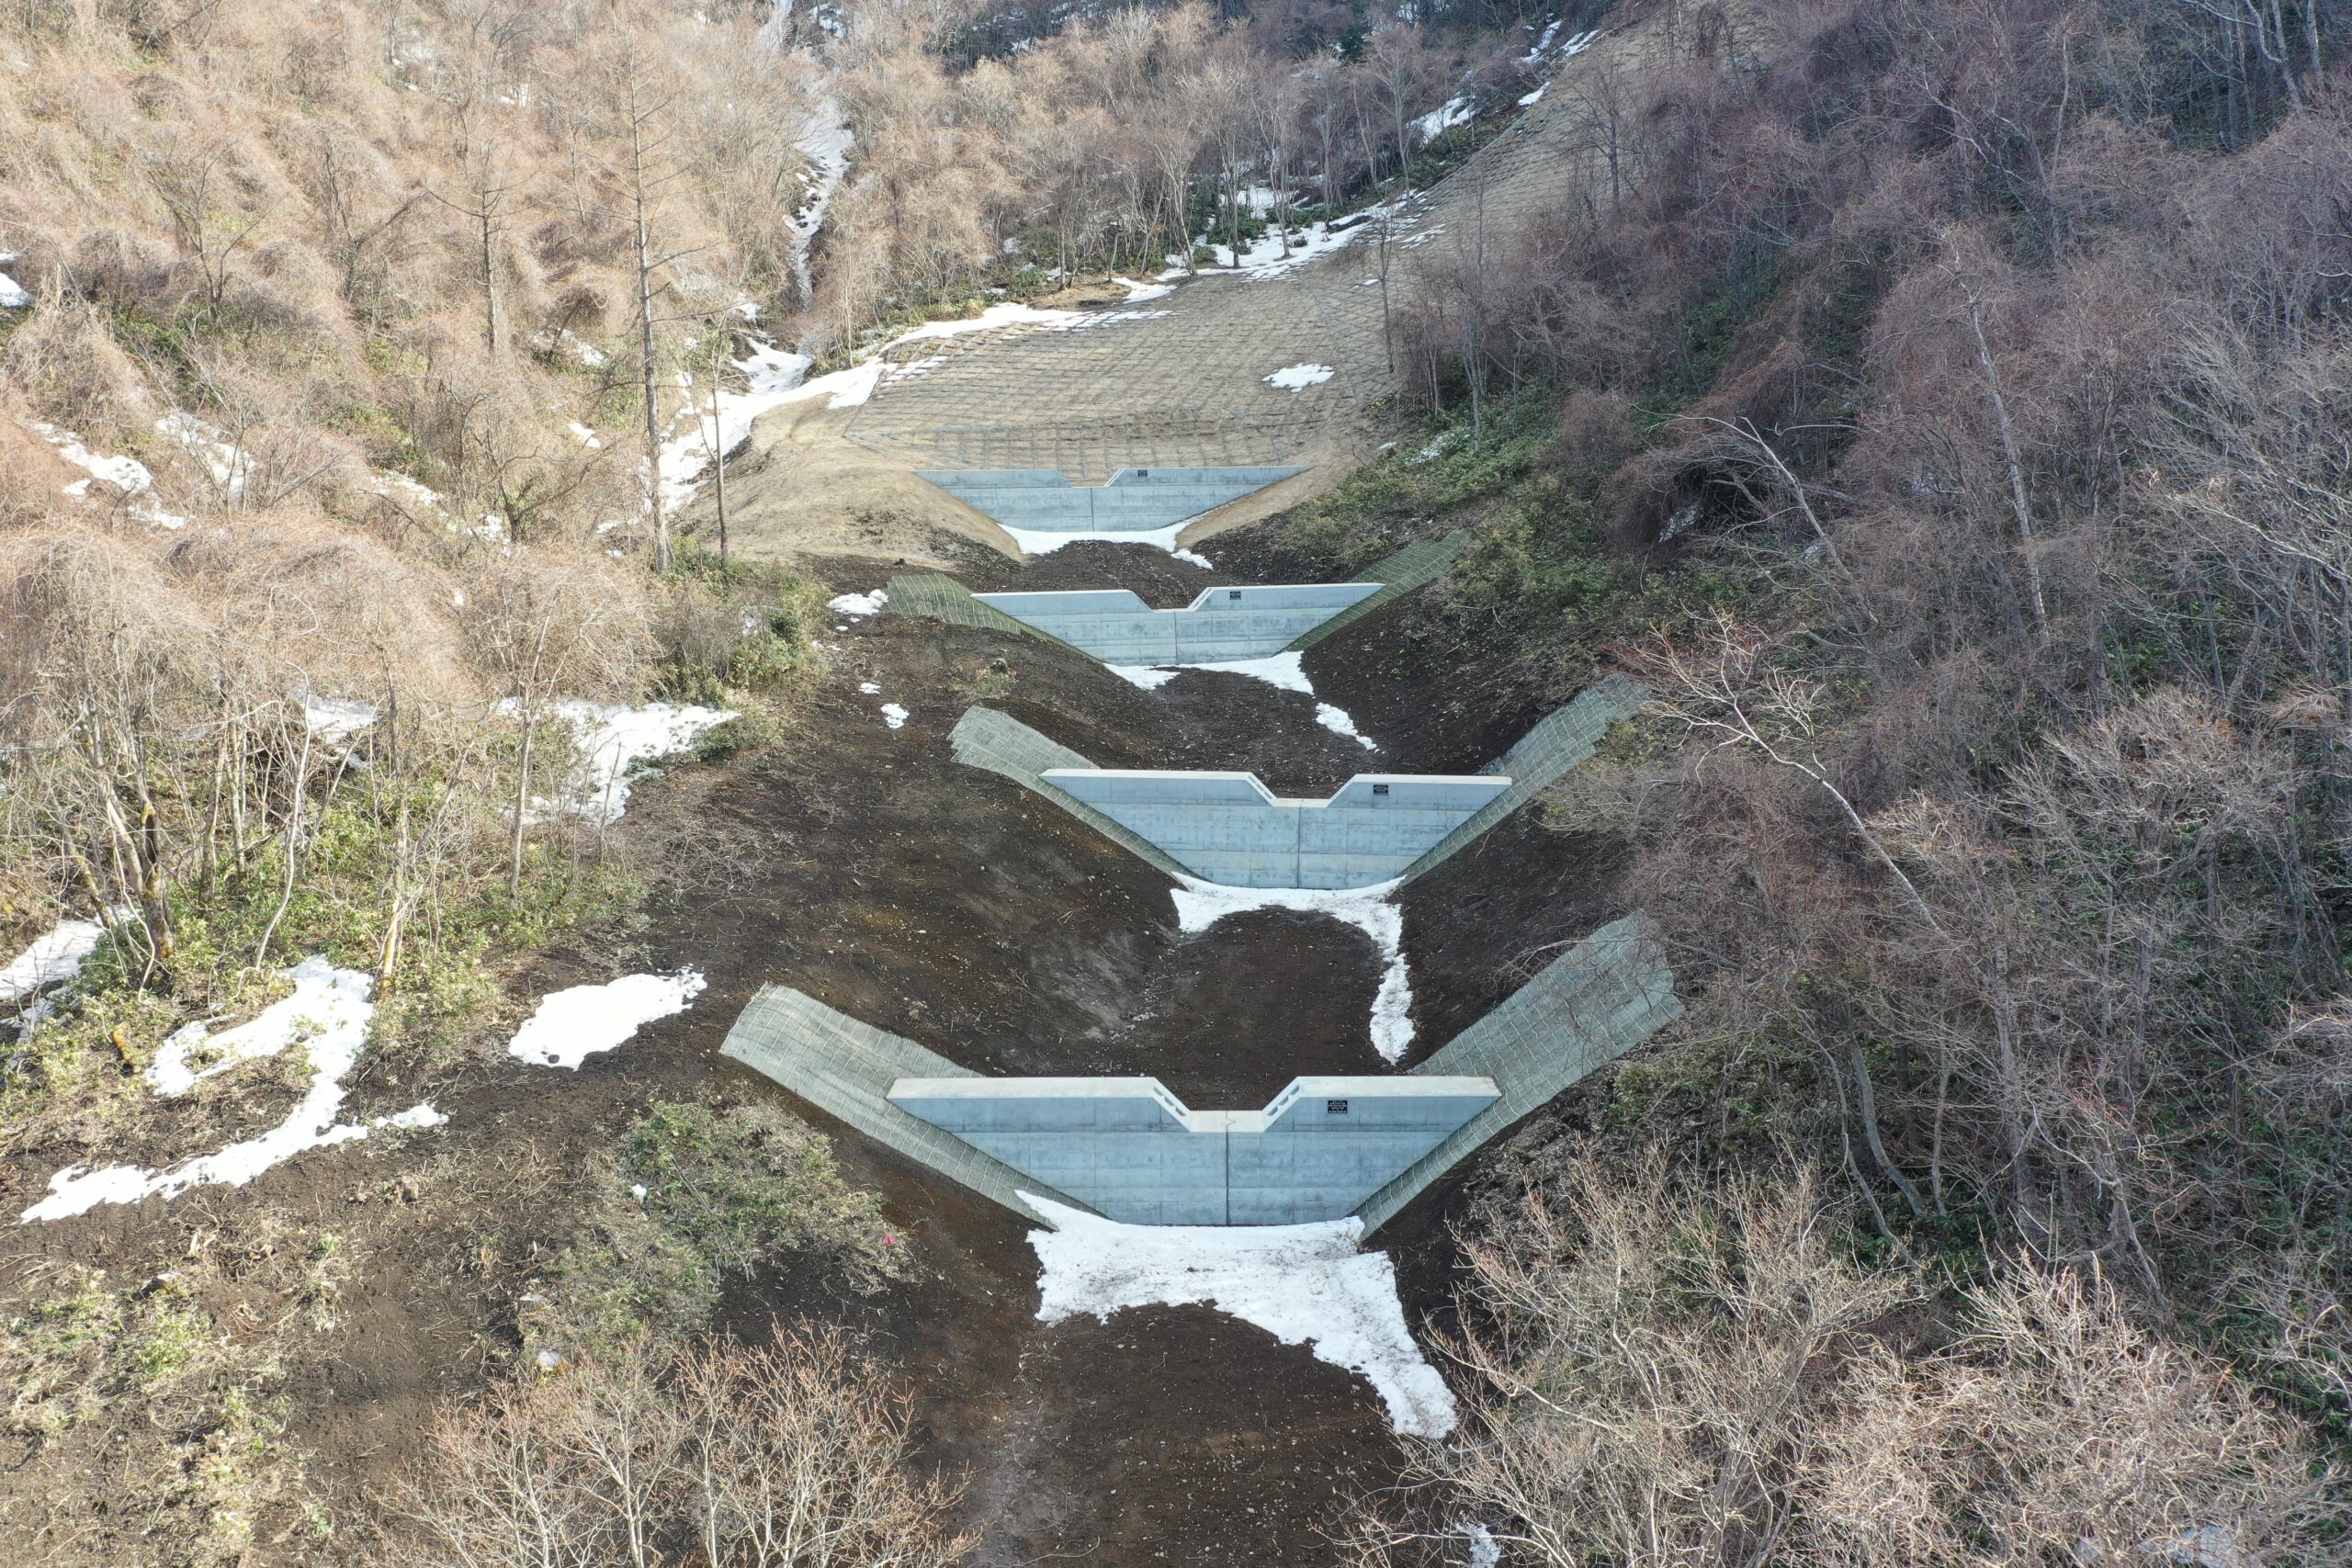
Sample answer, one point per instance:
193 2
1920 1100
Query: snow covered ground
1297 378
856 604
127 475
327 1016
1200 905
578 1021
614 741
1285 671
777 377
54 957
1263 258
1303 1284
1046 541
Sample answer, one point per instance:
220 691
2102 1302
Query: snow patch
225 460
127 475
858 603
1535 97
13 296
1139 292
1458 110
1297 378
1303 1284
577 1023
55 957
613 741
1263 258
1284 671
894 715
1200 905
1046 541
335 719
328 1016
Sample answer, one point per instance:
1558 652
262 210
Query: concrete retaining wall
1135 1153
1229 828
1223 623
1134 501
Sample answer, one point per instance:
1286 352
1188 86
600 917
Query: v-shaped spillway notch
1134 500
1228 828
1127 1148
1218 626
1133 1152
1231 829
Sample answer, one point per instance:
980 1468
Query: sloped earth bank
861 863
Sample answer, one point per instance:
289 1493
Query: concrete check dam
1230 828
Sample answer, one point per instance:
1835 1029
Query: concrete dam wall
1223 623
1134 500
1128 1149
1231 829
1133 1152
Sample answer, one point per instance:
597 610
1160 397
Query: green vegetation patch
697 1196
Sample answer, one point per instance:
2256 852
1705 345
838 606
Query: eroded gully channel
859 863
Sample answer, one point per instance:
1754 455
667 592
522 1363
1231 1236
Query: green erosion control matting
1554 747
1416 566
936 596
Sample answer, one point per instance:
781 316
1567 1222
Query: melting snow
1286 672
335 719
893 714
225 460
1263 258
1139 292
54 957
1297 378
1452 112
1046 541
1200 905
573 1024
12 295
1534 99
858 603
1303 1284
328 1016
613 741
127 475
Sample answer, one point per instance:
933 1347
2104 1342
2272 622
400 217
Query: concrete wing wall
1588 1006
1001 744
845 1068
1228 828
1564 742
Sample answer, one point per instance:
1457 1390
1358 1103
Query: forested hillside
1943 409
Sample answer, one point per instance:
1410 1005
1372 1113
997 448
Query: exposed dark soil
864 865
